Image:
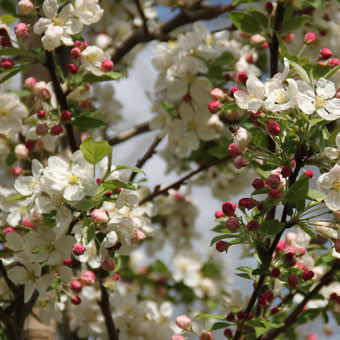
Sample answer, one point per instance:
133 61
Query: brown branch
146 156
105 307
186 16
9 283
182 180
142 16
125 135
292 318
61 99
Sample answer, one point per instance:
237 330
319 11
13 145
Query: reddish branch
185 16
61 99
182 180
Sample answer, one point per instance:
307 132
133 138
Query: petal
242 99
332 200
23 185
305 103
325 88
200 90
255 86
337 141
37 168
41 25
255 104
325 182
50 8
73 193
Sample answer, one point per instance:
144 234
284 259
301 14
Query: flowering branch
104 304
292 318
61 99
181 181
127 134
146 156
185 16
142 16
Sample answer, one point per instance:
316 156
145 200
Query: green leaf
308 315
17 197
8 6
22 93
218 238
260 271
283 46
260 18
315 195
10 159
239 2
264 257
332 71
218 325
88 230
244 22
7 19
210 316
93 151
91 78
271 227
298 191
115 183
160 267
86 123
295 22
132 168
12 51
300 71
84 204
11 73
308 231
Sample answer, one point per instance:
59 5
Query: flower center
280 97
4 112
336 185
252 95
320 102
92 57
59 22
58 200
72 179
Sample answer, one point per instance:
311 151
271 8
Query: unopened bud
16 171
217 94
41 130
326 53
107 65
21 151
76 286
183 322
310 38
88 278
25 7
78 249
20 29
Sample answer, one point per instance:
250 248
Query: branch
186 16
142 16
146 156
292 318
104 304
182 180
61 99
125 135
9 283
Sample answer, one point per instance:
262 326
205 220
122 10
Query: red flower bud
326 53
310 38
276 272
253 225
309 173
307 275
56 130
293 281
65 116
235 150
258 184
274 194
229 208
72 68
247 203
76 300
107 65
232 224
273 128
219 214
221 246
214 106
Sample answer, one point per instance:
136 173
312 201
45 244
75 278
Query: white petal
325 88
50 8
242 99
305 103
332 200
73 193
325 182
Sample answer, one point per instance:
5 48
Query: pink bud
232 224
217 94
108 264
274 194
312 336
27 223
78 249
219 214
65 116
138 237
177 337
206 336
75 53
273 128
6 64
334 62
41 114
80 44
264 45
214 106
21 151
233 90
257 39
30 82
221 246
289 38
72 68
247 203
56 130
250 59
300 252
241 77
88 278
253 225
326 53
307 275
293 281
99 216
281 246
25 7
286 171
228 333
272 181
263 301
107 65
41 130
44 94
16 171
240 162
76 286
183 322
76 300
229 208
337 246
309 173
258 183
310 38
235 150
68 262
7 230
20 29
116 277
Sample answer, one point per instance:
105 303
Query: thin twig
127 134
148 154
143 17
185 16
181 181
104 304
61 99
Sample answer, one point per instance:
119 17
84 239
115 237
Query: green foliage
93 151
91 78
84 122
244 22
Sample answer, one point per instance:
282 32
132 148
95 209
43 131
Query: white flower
333 153
330 183
242 137
253 99
88 11
11 112
57 26
321 102
92 58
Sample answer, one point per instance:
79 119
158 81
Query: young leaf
88 231
271 227
132 168
300 71
17 197
298 191
86 123
244 22
93 151
210 316
91 78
